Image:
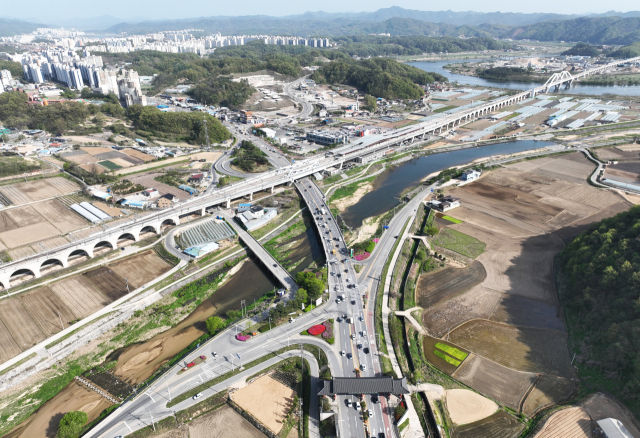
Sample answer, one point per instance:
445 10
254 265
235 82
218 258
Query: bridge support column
203 211
341 163
250 196
4 279
228 203
272 189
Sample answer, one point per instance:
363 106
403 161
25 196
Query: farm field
477 302
438 357
568 423
520 348
108 282
30 191
141 269
498 425
275 398
22 327
8 346
547 391
79 295
223 423
502 384
509 320
47 309
524 312
447 283
459 242
466 406
526 273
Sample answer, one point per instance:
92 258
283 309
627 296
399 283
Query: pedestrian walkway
414 430
416 325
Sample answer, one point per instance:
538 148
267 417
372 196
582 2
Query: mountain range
608 28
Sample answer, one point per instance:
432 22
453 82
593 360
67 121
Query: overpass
281 274
109 237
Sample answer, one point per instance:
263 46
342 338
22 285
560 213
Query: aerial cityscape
371 221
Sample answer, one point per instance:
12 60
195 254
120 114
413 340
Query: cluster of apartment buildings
67 67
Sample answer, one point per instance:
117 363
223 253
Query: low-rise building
470 175
327 137
166 201
150 193
445 203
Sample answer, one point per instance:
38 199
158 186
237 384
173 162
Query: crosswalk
208 371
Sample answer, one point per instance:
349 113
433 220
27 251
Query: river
577 88
391 183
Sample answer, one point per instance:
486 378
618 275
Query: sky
46 10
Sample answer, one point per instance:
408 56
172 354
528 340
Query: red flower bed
361 257
316 330
243 337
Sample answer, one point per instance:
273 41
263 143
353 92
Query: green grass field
449 359
452 351
452 219
459 242
109 165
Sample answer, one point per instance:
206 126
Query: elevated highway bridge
109 237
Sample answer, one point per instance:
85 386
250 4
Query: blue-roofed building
201 249
243 207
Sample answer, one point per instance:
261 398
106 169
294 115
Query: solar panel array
209 231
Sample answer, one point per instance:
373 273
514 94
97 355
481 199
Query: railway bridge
110 236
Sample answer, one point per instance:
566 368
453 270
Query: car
353 336
333 273
359 346
364 333
214 354
347 280
346 271
360 317
370 413
353 302
349 355
348 402
366 350
363 367
197 396
374 399
358 406
344 316
339 275
342 353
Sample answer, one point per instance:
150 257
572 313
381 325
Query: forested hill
599 288
596 30
15 27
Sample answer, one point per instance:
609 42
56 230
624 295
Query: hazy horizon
47 12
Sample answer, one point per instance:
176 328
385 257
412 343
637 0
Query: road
307 108
355 339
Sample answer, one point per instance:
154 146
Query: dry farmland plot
96 150
523 312
29 234
82 159
223 423
20 324
519 205
502 384
108 282
79 295
15 195
47 309
148 180
568 423
275 398
528 165
478 302
517 180
520 348
137 154
8 346
527 273
466 406
621 175
599 407
499 425
596 198
447 283
547 391
60 216
586 223
141 268
7 223
488 222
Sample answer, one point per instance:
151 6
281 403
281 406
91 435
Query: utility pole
206 133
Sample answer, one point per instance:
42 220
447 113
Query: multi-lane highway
307 108
356 338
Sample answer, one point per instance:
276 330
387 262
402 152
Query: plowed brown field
223 423
79 295
568 423
20 324
547 391
47 309
447 283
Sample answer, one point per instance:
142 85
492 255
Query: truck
350 320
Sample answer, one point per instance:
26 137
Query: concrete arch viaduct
110 236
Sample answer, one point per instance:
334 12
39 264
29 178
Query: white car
363 367
353 336
348 403
197 396
342 353
370 413
358 406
